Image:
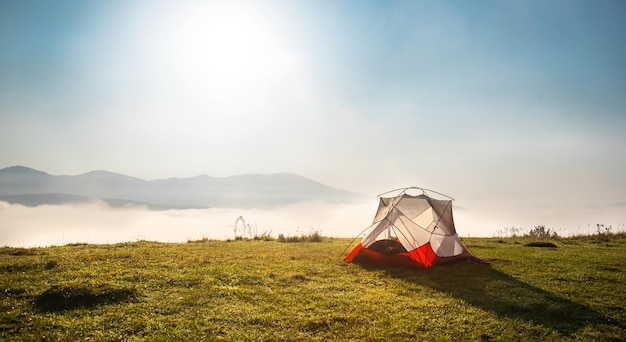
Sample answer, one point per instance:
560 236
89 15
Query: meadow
294 290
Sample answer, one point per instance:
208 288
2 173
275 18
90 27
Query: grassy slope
267 290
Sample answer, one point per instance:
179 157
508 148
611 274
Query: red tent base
421 257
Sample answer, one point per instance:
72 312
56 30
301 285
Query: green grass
273 291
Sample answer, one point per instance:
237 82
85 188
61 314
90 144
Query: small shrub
244 230
542 233
264 237
313 236
508 232
602 229
603 233
283 238
203 240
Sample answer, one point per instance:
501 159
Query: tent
408 230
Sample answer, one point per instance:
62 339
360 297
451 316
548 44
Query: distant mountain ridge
27 186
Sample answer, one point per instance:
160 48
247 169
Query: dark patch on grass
62 298
17 268
540 244
28 267
183 282
315 325
299 277
261 322
9 324
493 260
18 251
50 264
12 292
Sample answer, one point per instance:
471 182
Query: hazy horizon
48 225
515 109
96 221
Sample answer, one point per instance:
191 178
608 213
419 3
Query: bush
314 236
542 233
266 236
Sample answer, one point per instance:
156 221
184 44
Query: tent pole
356 237
418 188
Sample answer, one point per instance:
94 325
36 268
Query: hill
274 291
27 186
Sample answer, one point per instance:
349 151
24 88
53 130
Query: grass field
280 291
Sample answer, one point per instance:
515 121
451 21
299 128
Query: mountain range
30 187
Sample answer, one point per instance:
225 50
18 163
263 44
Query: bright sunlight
227 49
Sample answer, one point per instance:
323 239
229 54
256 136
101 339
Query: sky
514 107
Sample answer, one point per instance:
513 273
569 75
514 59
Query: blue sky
501 102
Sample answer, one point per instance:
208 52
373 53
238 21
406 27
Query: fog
96 222
502 220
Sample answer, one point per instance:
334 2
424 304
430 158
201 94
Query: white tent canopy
422 228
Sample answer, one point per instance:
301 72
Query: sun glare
227 49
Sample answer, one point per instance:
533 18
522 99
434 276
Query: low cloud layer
96 222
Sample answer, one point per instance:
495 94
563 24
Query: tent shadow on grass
497 292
